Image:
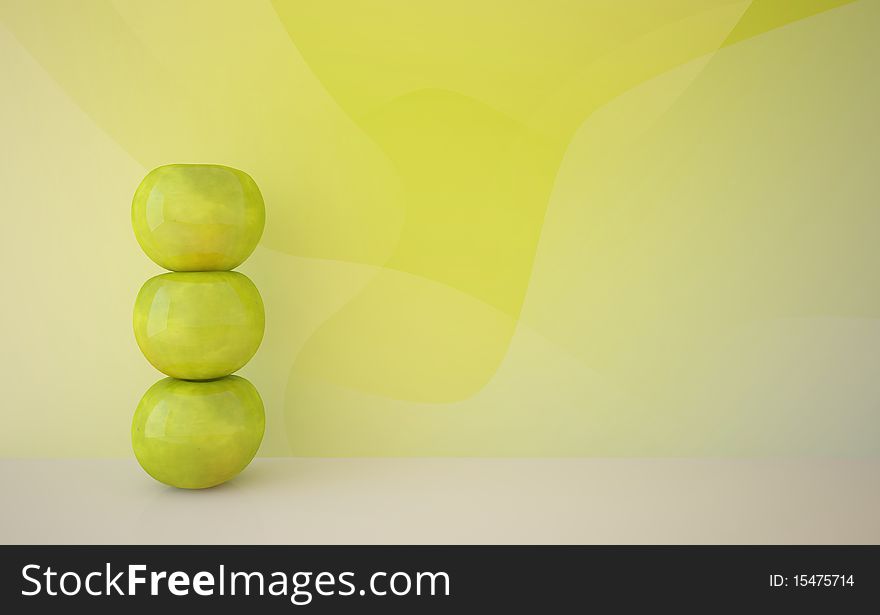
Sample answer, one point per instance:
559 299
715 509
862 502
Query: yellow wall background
493 228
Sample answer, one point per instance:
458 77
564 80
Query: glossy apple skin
199 325
195 435
198 217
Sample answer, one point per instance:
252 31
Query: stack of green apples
198 324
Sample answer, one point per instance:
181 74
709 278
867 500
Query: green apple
199 325
195 435
198 217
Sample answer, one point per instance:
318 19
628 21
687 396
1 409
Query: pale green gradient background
493 229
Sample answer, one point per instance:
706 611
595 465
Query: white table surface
449 501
